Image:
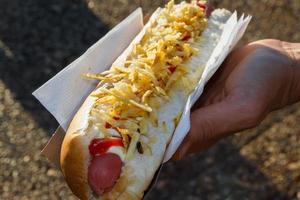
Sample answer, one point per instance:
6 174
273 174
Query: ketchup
100 146
172 69
107 125
201 5
206 7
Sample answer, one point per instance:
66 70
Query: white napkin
65 92
232 32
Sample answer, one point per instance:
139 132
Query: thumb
213 122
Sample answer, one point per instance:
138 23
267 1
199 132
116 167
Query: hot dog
117 139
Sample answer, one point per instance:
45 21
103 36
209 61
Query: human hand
253 81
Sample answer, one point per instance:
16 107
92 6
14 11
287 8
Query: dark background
38 38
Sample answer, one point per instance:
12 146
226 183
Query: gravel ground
38 38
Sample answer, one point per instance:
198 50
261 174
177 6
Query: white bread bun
137 172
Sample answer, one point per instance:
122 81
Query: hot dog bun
143 153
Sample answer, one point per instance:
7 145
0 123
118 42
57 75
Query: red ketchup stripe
206 7
107 125
100 146
203 6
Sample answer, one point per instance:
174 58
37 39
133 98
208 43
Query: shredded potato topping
130 94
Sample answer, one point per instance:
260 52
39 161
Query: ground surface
39 38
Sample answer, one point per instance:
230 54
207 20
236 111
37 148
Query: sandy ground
39 38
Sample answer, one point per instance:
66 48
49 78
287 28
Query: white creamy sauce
117 150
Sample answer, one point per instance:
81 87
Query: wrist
293 50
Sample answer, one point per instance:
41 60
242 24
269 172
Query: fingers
213 122
250 87
215 85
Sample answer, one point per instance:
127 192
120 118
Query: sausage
104 170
